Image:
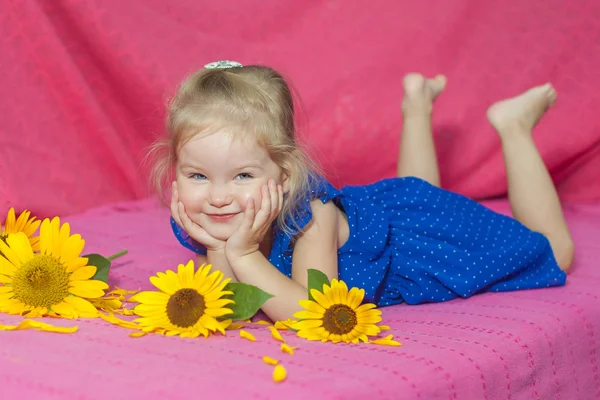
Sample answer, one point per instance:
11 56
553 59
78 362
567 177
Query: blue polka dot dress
413 242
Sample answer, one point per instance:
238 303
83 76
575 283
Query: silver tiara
222 64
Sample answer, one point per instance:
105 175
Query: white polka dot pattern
413 242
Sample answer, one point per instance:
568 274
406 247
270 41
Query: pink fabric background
84 85
528 345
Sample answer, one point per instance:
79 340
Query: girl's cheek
254 194
191 199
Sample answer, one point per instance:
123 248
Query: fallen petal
247 335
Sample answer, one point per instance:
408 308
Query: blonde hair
250 100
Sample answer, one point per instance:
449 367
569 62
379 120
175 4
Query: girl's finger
274 198
187 223
248 215
280 198
174 206
265 209
195 231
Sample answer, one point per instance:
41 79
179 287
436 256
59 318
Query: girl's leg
533 198
417 151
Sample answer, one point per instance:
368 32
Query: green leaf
316 279
102 264
248 300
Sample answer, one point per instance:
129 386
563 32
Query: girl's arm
219 262
316 248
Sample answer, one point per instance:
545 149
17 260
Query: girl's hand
195 231
247 238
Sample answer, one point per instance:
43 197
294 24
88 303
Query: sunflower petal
77 263
217 312
71 248
21 246
64 310
83 273
175 282
386 342
9 224
151 297
118 321
312 306
217 282
220 303
313 334
35 243
22 221
81 305
42 326
183 271
324 301
202 272
90 289
164 283
247 335
31 226
275 333
355 297
209 282
370 319
54 226
18 250
365 307
286 348
189 272
6 267
45 237
308 324
279 373
62 233
308 315
269 360
150 310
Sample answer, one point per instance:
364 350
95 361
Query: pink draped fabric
84 84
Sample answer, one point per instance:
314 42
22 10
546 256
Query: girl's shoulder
320 191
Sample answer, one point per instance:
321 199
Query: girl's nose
220 196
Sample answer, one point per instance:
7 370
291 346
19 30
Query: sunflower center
339 319
185 307
41 282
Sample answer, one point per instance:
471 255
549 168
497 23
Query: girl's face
216 175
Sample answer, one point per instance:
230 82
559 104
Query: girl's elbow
565 255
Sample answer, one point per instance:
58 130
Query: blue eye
198 177
243 176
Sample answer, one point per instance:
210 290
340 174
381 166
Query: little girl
247 199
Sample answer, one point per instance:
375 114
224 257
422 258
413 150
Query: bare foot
521 113
420 92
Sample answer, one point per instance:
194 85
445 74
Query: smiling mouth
221 217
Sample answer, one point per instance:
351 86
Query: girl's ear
285 183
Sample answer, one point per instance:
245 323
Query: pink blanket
539 344
84 84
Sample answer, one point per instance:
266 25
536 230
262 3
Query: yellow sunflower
337 315
54 282
21 224
188 304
